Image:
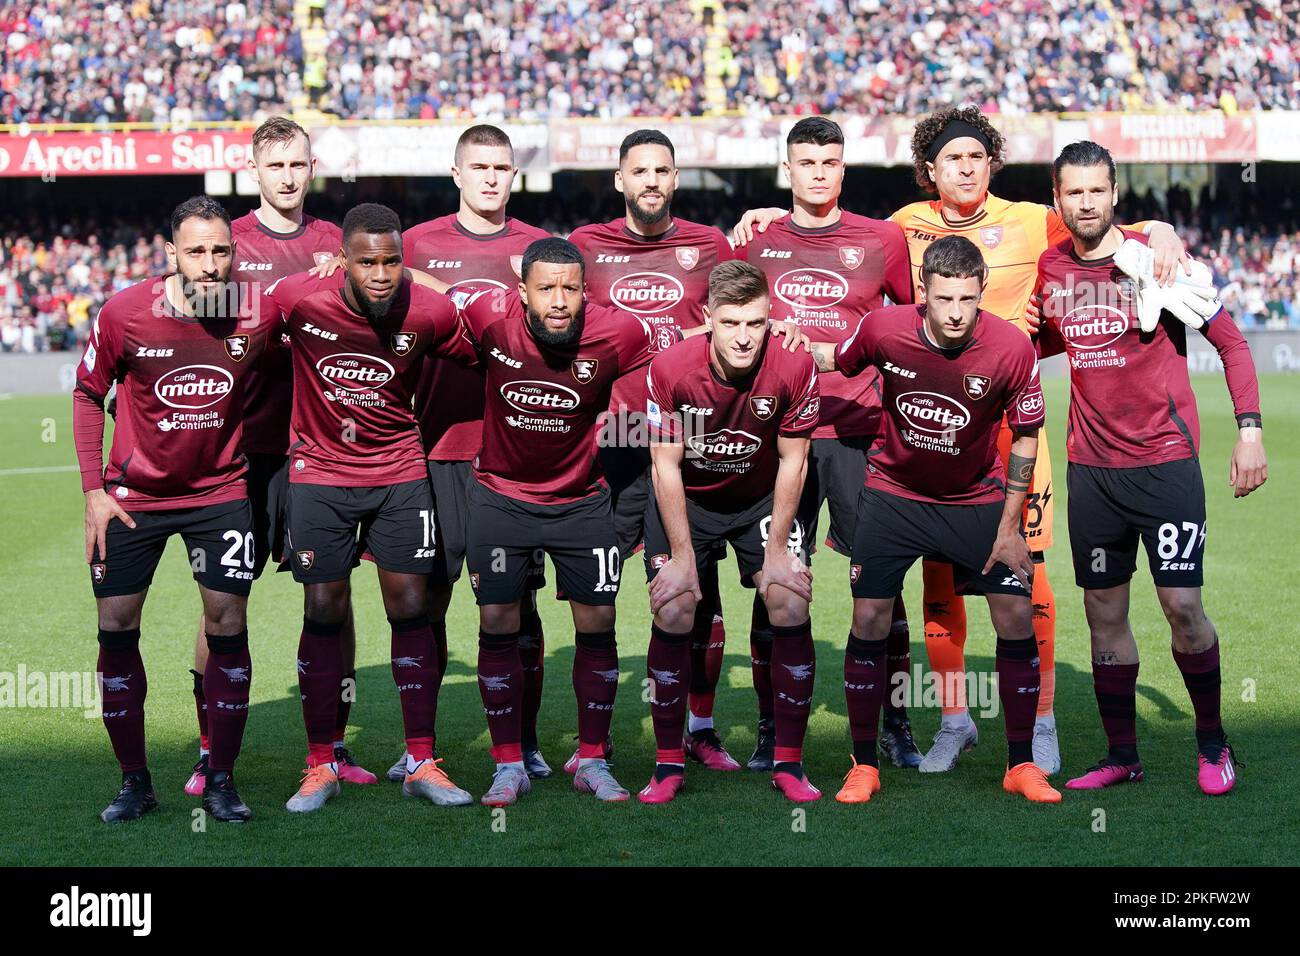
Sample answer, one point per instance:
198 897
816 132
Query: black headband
956 129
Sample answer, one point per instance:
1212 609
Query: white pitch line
50 470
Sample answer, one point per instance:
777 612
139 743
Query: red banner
426 149
1211 137
51 155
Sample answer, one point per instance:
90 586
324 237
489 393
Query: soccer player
937 486
275 240
1134 470
826 267
179 349
478 245
550 361
358 341
657 266
955 152
733 415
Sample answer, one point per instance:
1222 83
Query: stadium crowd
168 61
53 282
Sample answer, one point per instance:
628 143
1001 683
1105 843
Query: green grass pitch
57 772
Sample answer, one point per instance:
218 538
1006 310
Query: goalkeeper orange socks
945 634
1045 635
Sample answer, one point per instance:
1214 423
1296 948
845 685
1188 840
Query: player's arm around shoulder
450 337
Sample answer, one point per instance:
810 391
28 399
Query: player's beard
557 340
376 310
1090 232
649 217
220 302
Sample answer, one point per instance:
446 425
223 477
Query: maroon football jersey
825 279
944 407
353 425
1131 400
180 398
539 424
730 428
261 257
449 397
663 279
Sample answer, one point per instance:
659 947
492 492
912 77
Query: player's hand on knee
1011 549
1249 467
788 571
675 578
100 510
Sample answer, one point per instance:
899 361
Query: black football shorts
893 531
219 547
836 470
268 483
450 481
397 522
1111 508
746 531
508 538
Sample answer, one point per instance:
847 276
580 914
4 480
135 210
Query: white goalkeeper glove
1192 299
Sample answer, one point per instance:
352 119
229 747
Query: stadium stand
167 61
